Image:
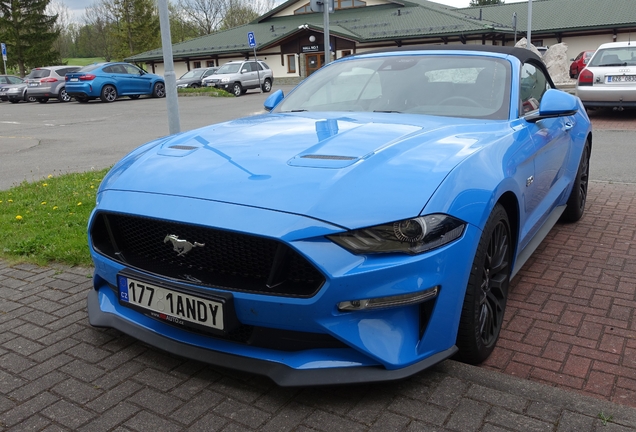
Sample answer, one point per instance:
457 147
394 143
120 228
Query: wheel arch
510 203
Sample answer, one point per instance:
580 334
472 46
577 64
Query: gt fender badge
181 246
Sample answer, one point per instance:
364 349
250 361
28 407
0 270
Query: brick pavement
59 374
607 118
571 316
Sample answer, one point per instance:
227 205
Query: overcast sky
77 7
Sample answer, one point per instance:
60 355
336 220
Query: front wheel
487 291
237 90
267 86
63 96
108 94
578 197
159 90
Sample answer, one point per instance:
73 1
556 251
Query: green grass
82 61
45 221
204 91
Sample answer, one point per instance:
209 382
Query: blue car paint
126 84
412 164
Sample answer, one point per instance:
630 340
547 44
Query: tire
578 197
487 291
267 85
42 100
108 93
134 97
237 90
194 85
63 96
159 90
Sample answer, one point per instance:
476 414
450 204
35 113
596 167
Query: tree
29 34
485 2
239 12
206 15
64 26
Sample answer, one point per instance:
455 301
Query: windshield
444 85
229 68
620 56
196 73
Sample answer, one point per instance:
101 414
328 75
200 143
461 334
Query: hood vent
328 157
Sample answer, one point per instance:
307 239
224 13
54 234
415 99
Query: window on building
210 63
346 53
291 63
197 64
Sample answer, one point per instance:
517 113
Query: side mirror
273 100
555 103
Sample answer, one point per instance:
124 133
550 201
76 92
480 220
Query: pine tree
485 2
28 33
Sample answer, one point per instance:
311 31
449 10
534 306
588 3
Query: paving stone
68 414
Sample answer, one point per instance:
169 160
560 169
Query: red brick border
571 316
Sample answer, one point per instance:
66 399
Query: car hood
350 170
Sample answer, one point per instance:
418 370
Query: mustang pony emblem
181 246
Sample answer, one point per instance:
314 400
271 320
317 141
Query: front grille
219 259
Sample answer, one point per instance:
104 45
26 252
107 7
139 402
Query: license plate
622 78
33 84
74 79
171 305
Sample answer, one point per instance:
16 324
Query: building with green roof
290 37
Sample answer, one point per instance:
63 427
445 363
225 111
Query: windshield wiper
387 111
615 64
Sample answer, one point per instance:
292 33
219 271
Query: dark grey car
194 77
44 83
12 88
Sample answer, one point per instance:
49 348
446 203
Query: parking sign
251 39
4 51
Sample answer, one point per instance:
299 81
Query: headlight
410 236
225 80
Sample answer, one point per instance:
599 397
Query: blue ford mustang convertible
364 229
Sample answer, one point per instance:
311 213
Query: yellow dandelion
54 207
79 203
92 187
43 202
18 217
45 184
49 176
10 200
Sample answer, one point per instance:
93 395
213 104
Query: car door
139 81
552 143
250 78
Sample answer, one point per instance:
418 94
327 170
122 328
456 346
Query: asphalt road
55 138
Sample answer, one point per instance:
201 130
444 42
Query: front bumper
373 345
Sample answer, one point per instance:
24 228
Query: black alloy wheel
487 292
159 90
578 197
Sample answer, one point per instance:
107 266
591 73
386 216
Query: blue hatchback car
108 81
366 228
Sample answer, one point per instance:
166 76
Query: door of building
314 62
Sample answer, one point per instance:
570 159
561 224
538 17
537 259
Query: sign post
4 56
251 40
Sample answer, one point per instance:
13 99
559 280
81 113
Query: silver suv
239 76
48 82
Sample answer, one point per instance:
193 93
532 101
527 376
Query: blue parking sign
4 51
251 39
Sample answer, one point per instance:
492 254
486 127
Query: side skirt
537 239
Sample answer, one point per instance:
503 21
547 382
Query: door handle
568 125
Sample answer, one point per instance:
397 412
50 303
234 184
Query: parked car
193 78
109 81
48 82
579 62
16 92
364 229
239 76
609 79
12 88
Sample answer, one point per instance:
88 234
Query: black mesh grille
219 259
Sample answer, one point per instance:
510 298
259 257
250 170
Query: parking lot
570 326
